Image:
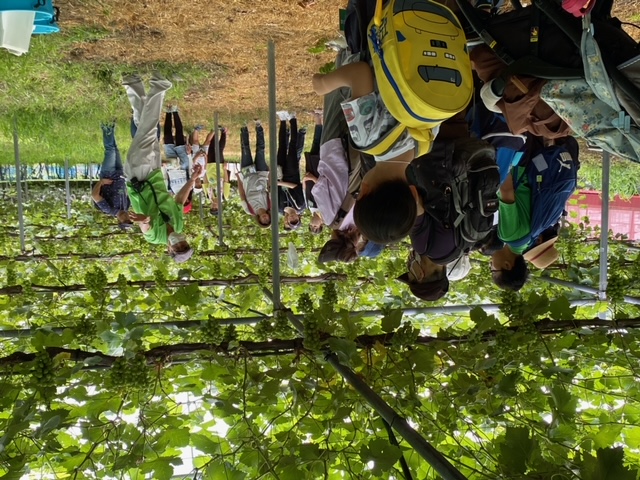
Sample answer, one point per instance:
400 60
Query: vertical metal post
604 226
273 173
219 188
201 199
16 153
67 186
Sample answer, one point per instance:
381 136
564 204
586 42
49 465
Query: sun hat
544 254
459 268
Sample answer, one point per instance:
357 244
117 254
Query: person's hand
197 170
139 218
106 181
309 177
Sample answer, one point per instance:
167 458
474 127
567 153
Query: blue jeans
112 162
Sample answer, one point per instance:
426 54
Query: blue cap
372 250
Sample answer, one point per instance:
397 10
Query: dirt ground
228 39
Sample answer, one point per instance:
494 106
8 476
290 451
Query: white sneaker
283 115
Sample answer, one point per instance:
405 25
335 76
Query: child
253 182
290 191
387 206
175 146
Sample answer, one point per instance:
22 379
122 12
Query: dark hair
489 244
513 279
387 213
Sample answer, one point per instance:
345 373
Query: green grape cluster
85 329
513 306
65 273
160 278
330 295
281 325
263 329
616 286
211 331
216 269
122 283
312 333
130 373
230 334
28 293
96 282
12 277
405 334
305 304
42 370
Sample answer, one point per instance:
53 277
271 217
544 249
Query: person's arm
507 192
183 195
243 197
357 76
95 193
310 177
143 221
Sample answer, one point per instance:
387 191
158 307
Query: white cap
458 269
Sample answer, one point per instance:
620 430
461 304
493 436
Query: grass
58 104
624 178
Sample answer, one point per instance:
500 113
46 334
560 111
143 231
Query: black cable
394 441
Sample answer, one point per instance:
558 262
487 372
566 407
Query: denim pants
112 162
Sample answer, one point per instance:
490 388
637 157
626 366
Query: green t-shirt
514 221
146 203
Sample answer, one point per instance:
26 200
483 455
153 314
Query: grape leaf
391 320
606 466
516 450
382 453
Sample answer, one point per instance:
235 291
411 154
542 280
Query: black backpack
458 182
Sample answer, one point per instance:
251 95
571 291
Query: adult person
175 144
210 180
386 206
291 201
253 180
157 213
337 178
527 211
312 161
109 194
437 242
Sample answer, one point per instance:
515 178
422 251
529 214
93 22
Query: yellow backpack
422 68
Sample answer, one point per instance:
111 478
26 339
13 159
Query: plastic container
15 30
45 27
43 8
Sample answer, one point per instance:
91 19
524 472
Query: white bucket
16 27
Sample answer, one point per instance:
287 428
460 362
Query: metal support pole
219 189
201 200
604 225
273 173
67 186
439 463
585 289
16 153
27 332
